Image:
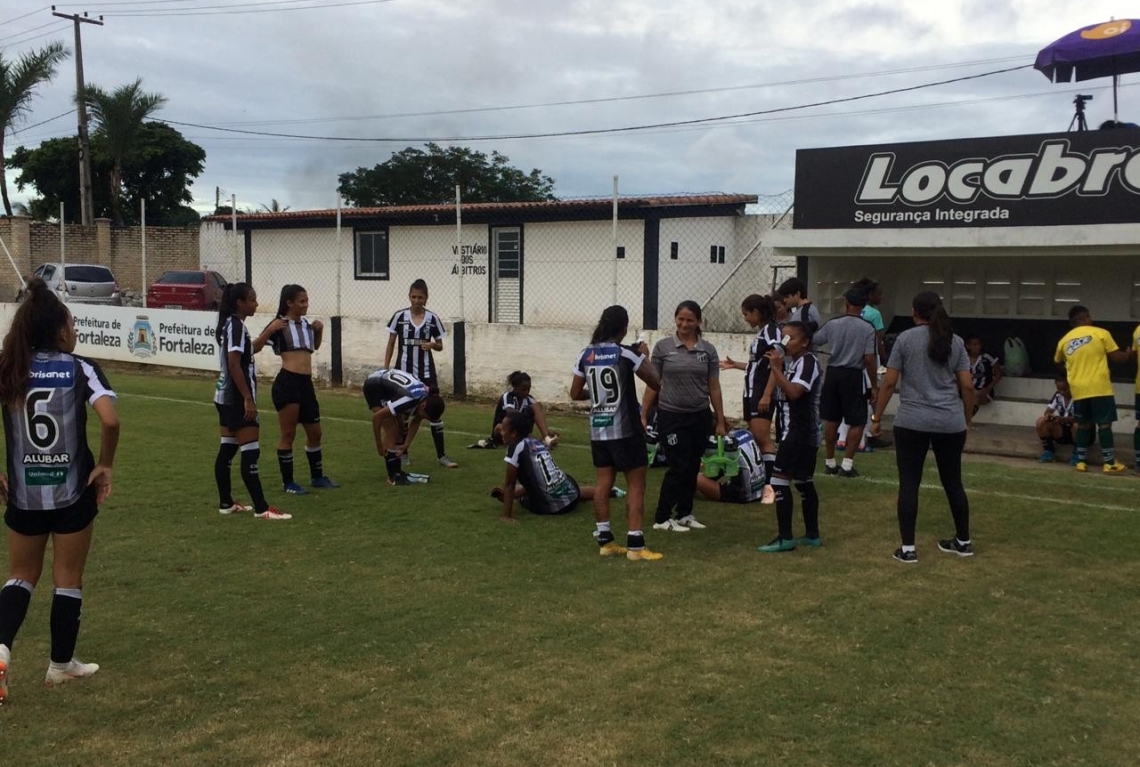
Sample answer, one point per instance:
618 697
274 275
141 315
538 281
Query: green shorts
1095 410
1137 405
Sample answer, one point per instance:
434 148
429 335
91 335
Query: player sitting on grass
533 476
517 398
394 397
748 485
1057 424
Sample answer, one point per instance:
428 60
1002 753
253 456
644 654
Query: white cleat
61 673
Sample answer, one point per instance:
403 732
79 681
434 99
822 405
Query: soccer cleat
878 443
68 672
324 482
4 660
639 555
446 462
768 495
234 508
1047 457
550 440
814 543
691 522
952 546
778 545
1081 466
1113 468
400 480
670 524
292 488
416 479
617 492
611 549
851 473
830 470
906 557
273 514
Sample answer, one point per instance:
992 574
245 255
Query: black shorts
297 389
70 519
734 491
232 417
796 459
543 509
752 402
844 396
621 454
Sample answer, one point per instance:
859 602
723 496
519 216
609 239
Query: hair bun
36 285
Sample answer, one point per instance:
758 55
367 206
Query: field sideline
407 626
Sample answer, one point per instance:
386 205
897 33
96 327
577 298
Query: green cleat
777 545
815 543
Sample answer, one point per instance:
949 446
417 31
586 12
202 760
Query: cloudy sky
418 70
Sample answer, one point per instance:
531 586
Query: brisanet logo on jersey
1053 171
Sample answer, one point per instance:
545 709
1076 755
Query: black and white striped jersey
48 457
396 390
1060 406
549 490
609 368
756 373
235 338
750 459
982 370
508 402
296 336
410 356
800 417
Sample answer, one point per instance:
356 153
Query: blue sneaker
292 488
1073 459
324 482
1046 457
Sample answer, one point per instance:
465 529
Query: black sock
634 541
316 468
769 467
14 600
1048 444
249 474
810 500
66 605
605 537
285 461
784 510
437 438
226 452
392 463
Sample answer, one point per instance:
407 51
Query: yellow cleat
611 549
1113 468
1081 466
643 554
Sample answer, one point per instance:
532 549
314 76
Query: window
372 255
621 251
180 278
716 254
673 250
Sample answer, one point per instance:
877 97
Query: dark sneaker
906 557
951 546
324 482
830 470
848 473
814 543
400 480
292 488
778 545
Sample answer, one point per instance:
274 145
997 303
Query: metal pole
62 235
338 252
459 247
86 199
142 206
613 243
233 231
62 256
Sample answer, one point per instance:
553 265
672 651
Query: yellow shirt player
1085 352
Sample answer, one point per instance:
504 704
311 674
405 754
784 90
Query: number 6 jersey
608 368
48 457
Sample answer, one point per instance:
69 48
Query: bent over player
395 397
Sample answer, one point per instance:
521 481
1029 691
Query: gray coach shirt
850 337
928 392
684 374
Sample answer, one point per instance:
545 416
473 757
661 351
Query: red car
199 289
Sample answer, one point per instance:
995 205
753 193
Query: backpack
1016 357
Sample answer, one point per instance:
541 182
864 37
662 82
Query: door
506 274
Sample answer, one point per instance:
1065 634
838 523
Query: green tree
414 177
160 170
119 117
18 82
274 207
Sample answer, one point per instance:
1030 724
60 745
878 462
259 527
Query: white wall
692 276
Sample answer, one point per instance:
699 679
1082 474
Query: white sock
847 464
829 462
963 543
603 527
906 548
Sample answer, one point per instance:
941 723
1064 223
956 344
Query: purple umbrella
1109 49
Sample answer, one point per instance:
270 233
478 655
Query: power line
26 15
603 131
201 10
26 31
43 122
21 41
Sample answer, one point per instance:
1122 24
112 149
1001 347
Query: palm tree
275 207
118 117
18 81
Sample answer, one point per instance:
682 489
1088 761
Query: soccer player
798 379
1084 353
293 393
532 475
394 397
413 334
54 486
235 398
985 370
604 375
747 486
853 365
1056 424
759 386
793 295
517 398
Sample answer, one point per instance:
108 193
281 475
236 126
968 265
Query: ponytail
928 306
234 292
518 378
288 293
761 304
35 327
613 323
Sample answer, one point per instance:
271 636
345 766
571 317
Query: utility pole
86 199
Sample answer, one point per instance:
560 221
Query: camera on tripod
1078 122
1079 101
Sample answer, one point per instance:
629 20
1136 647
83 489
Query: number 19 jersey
609 368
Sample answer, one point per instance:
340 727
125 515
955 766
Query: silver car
85 283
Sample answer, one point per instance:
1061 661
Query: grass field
408 626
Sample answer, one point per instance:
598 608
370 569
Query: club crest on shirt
702 357
1075 344
140 341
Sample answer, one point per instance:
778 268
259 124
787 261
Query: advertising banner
171 337
1088 177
